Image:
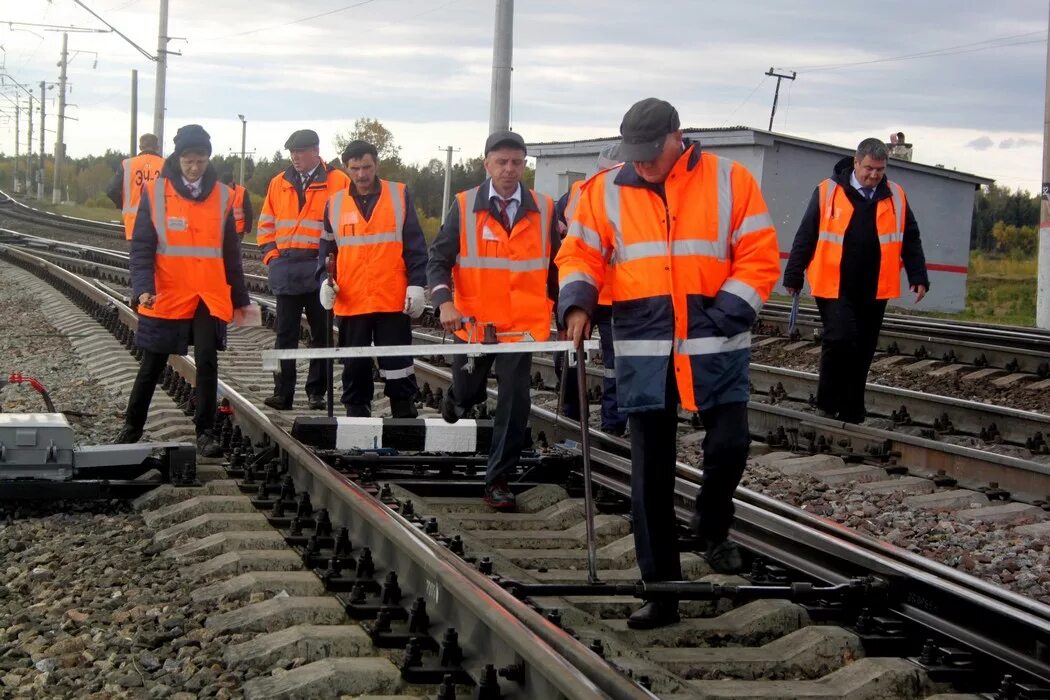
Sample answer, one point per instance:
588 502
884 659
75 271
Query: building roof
744 136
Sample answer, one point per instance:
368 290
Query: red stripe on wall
935 267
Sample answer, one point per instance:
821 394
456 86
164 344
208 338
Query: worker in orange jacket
493 261
242 205
694 255
186 278
373 231
289 236
125 189
858 231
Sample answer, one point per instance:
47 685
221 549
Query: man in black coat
856 234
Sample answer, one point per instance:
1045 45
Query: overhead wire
746 99
294 21
970 47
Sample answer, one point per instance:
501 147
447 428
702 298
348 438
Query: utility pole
18 108
29 146
162 71
446 196
1042 294
134 112
776 93
244 134
60 146
40 173
502 64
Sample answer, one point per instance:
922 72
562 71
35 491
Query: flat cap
644 128
501 139
304 138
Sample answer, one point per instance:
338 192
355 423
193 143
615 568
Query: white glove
328 292
415 302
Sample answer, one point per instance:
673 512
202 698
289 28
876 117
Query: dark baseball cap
304 138
502 139
644 129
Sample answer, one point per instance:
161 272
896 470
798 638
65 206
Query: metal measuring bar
585 448
271 358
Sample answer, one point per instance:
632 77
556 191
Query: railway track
422 522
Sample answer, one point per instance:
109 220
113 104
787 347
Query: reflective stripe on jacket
370 264
692 269
139 170
605 294
836 210
239 193
189 264
501 278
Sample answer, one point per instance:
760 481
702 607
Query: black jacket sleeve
143 252
804 245
443 253
911 251
249 215
552 269
115 188
414 245
231 257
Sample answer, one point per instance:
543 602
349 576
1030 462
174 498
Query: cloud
1017 143
982 143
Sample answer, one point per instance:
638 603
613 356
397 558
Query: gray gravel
87 608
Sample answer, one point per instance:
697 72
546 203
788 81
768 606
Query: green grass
78 210
998 290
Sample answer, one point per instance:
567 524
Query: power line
294 21
119 33
970 47
746 99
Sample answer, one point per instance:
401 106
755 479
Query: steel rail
494 625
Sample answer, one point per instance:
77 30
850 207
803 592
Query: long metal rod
1042 304
585 450
43 120
271 358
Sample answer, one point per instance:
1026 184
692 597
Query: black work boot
724 557
208 445
358 410
449 410
403 408
655 613
128 434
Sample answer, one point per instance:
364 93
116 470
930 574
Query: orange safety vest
836 210
501 278
284 226
692 271
189 266
605 295
239 193
139 170
370 268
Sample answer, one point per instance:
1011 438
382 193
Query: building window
566 179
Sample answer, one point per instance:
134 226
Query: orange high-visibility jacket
370 267
501 278
605 294
189 266
139 170
835 213
239 193
283 225
692 270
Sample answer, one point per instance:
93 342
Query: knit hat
192 136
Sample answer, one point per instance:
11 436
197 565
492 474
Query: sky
963 79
